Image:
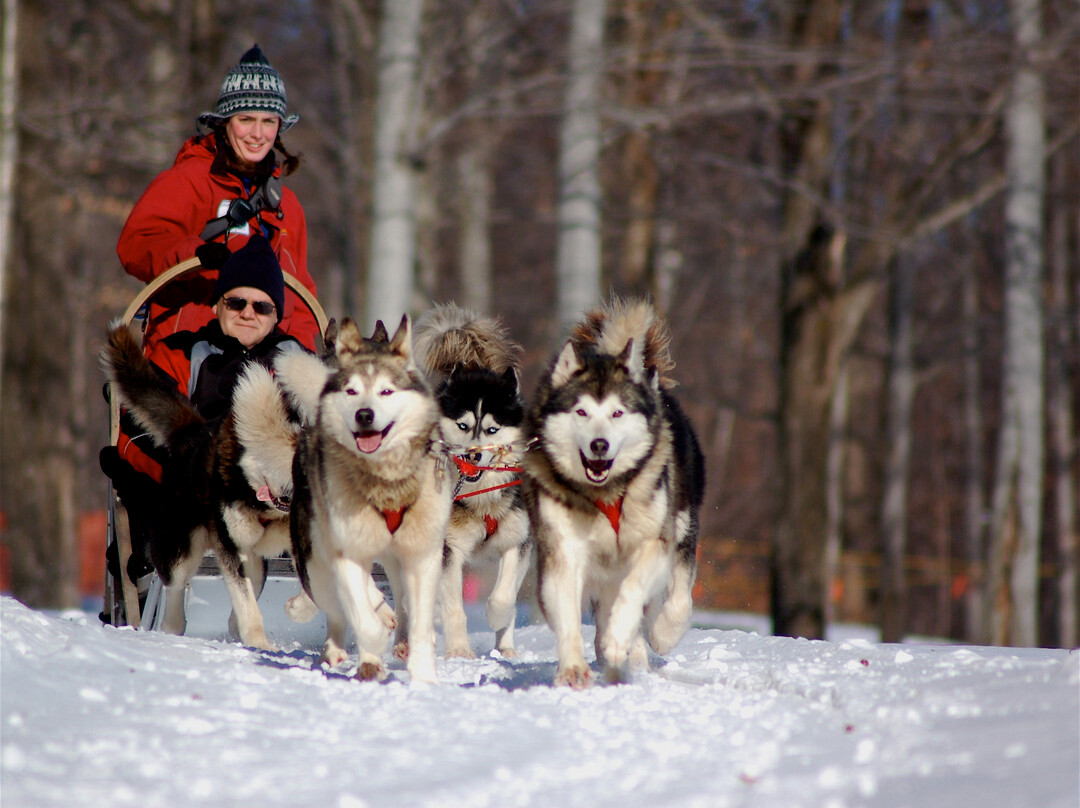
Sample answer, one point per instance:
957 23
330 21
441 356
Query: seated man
248 300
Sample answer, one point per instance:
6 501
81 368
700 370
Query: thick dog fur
613 486
215 494
475 364
367 488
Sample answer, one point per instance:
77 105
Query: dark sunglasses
262 308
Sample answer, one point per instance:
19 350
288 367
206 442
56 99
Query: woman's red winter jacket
163 230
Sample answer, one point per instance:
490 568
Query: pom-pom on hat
252 86
256 266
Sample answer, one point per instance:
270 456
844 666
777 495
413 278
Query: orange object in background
93 526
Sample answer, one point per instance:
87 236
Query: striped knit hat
252 86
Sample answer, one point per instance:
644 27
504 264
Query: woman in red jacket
193 208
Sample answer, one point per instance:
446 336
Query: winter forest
860 218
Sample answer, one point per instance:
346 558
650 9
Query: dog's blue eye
463 427
386 392
617 414
491 430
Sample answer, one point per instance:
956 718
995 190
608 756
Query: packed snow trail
96 716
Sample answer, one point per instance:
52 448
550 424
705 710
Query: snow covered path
94 716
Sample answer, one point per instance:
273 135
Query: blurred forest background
861 219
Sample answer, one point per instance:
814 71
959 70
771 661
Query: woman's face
252 135
246 325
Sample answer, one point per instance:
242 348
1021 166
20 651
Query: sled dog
474 365
219 492
367 487
613 485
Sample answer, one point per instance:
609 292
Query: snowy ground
95 716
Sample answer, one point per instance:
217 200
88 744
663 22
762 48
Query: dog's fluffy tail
303 377
264 429
450 338
608 327
153 401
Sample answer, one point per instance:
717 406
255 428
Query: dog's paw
508 652
459 652
385 613
300 608
614 654
577 677
333 656
370 672
401 650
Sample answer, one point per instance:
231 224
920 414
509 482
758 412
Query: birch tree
1061 405
1018 485
8 143
578 251
392 261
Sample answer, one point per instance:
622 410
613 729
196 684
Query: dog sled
141 603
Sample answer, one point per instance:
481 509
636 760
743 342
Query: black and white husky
225 486
475 366
613 485
368 487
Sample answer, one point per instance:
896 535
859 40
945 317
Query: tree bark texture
578 253
391 267
1018 485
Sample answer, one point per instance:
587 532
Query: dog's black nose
365 417
599 447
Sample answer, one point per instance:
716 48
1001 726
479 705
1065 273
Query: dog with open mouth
368 487
613 483
475 365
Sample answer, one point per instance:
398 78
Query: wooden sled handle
171 274
183 267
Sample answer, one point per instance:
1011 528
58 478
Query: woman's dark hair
226 161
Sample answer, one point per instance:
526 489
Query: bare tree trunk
393 229
1017 526
974 501
820 315
899 398
474 172
1061 406
578 253
349 35
9 144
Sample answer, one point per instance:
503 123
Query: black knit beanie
252 86
253 265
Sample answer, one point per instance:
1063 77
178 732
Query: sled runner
141 603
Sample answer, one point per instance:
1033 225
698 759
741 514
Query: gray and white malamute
474 364
367 488
613 485
219 491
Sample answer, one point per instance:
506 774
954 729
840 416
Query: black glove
212 255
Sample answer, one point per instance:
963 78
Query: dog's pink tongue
263 494
368 442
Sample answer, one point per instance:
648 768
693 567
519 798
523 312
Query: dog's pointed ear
633 359
348 338
510 377
329 340
380 334
401 343
566 365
